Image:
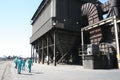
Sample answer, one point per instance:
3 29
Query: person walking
29 64
15 61
19 63
23 64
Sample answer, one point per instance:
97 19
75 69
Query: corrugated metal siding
42 30
45 15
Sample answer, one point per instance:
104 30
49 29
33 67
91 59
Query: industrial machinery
84 32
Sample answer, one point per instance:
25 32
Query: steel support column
82 40
82 43
38 54
54 50
33 53
42 52
47 50
116 38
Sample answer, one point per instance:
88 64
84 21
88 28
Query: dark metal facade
56 31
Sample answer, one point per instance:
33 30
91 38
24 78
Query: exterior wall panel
42 30
68 13
42 19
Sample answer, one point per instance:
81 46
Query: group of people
20 64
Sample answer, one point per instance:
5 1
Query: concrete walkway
61 72
45 72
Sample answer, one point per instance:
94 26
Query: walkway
60 72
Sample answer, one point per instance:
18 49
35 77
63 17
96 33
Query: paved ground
60 72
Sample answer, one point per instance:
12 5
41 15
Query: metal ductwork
114 8
90 10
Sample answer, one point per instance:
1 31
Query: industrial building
82 32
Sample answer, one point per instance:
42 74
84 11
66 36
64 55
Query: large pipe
92 12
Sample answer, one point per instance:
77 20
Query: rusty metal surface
92 12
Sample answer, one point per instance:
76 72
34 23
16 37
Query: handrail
102 22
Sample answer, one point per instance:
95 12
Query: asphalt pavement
61 72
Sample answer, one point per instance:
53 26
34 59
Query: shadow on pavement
32 73
26 74
37 72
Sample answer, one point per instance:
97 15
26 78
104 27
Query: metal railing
112 21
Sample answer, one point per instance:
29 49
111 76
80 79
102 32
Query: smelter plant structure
83 32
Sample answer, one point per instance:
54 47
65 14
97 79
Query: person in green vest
29 64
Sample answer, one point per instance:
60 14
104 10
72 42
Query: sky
103 0
15 26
